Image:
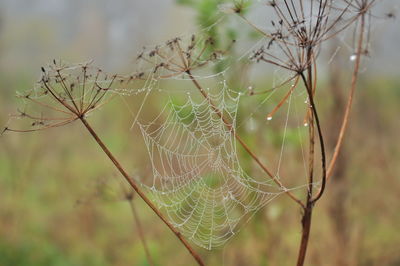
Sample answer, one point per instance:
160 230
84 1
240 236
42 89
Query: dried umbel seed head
301 27
179 56
63 94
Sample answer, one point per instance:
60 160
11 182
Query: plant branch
129 196
320 136
140 231
313 120
306 227
346 116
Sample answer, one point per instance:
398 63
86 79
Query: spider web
197 178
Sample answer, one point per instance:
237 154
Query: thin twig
129 196
346 116
140 231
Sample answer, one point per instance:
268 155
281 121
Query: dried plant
180 55
64 94
299 31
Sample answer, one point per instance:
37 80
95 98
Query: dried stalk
349 105
129 196
313 121
140 230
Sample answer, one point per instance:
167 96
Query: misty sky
33 32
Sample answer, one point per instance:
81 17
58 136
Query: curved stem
321 140
133 184
310 202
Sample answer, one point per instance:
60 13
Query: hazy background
60 202
113 32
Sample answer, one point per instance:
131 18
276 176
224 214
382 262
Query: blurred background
61 201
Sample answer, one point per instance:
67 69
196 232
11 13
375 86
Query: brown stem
133 184
140 232
240 140
307 215
346 116
315 117
128 195
307 211
306 226
339 186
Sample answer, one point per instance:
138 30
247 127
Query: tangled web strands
197 177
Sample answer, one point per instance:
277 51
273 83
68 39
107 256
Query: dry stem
140 231
310 201
346 116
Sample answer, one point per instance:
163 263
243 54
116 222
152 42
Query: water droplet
252 124
269 118
306 124
353 57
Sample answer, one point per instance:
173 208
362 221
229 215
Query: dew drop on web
252 124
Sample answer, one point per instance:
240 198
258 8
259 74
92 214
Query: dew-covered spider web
197 178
